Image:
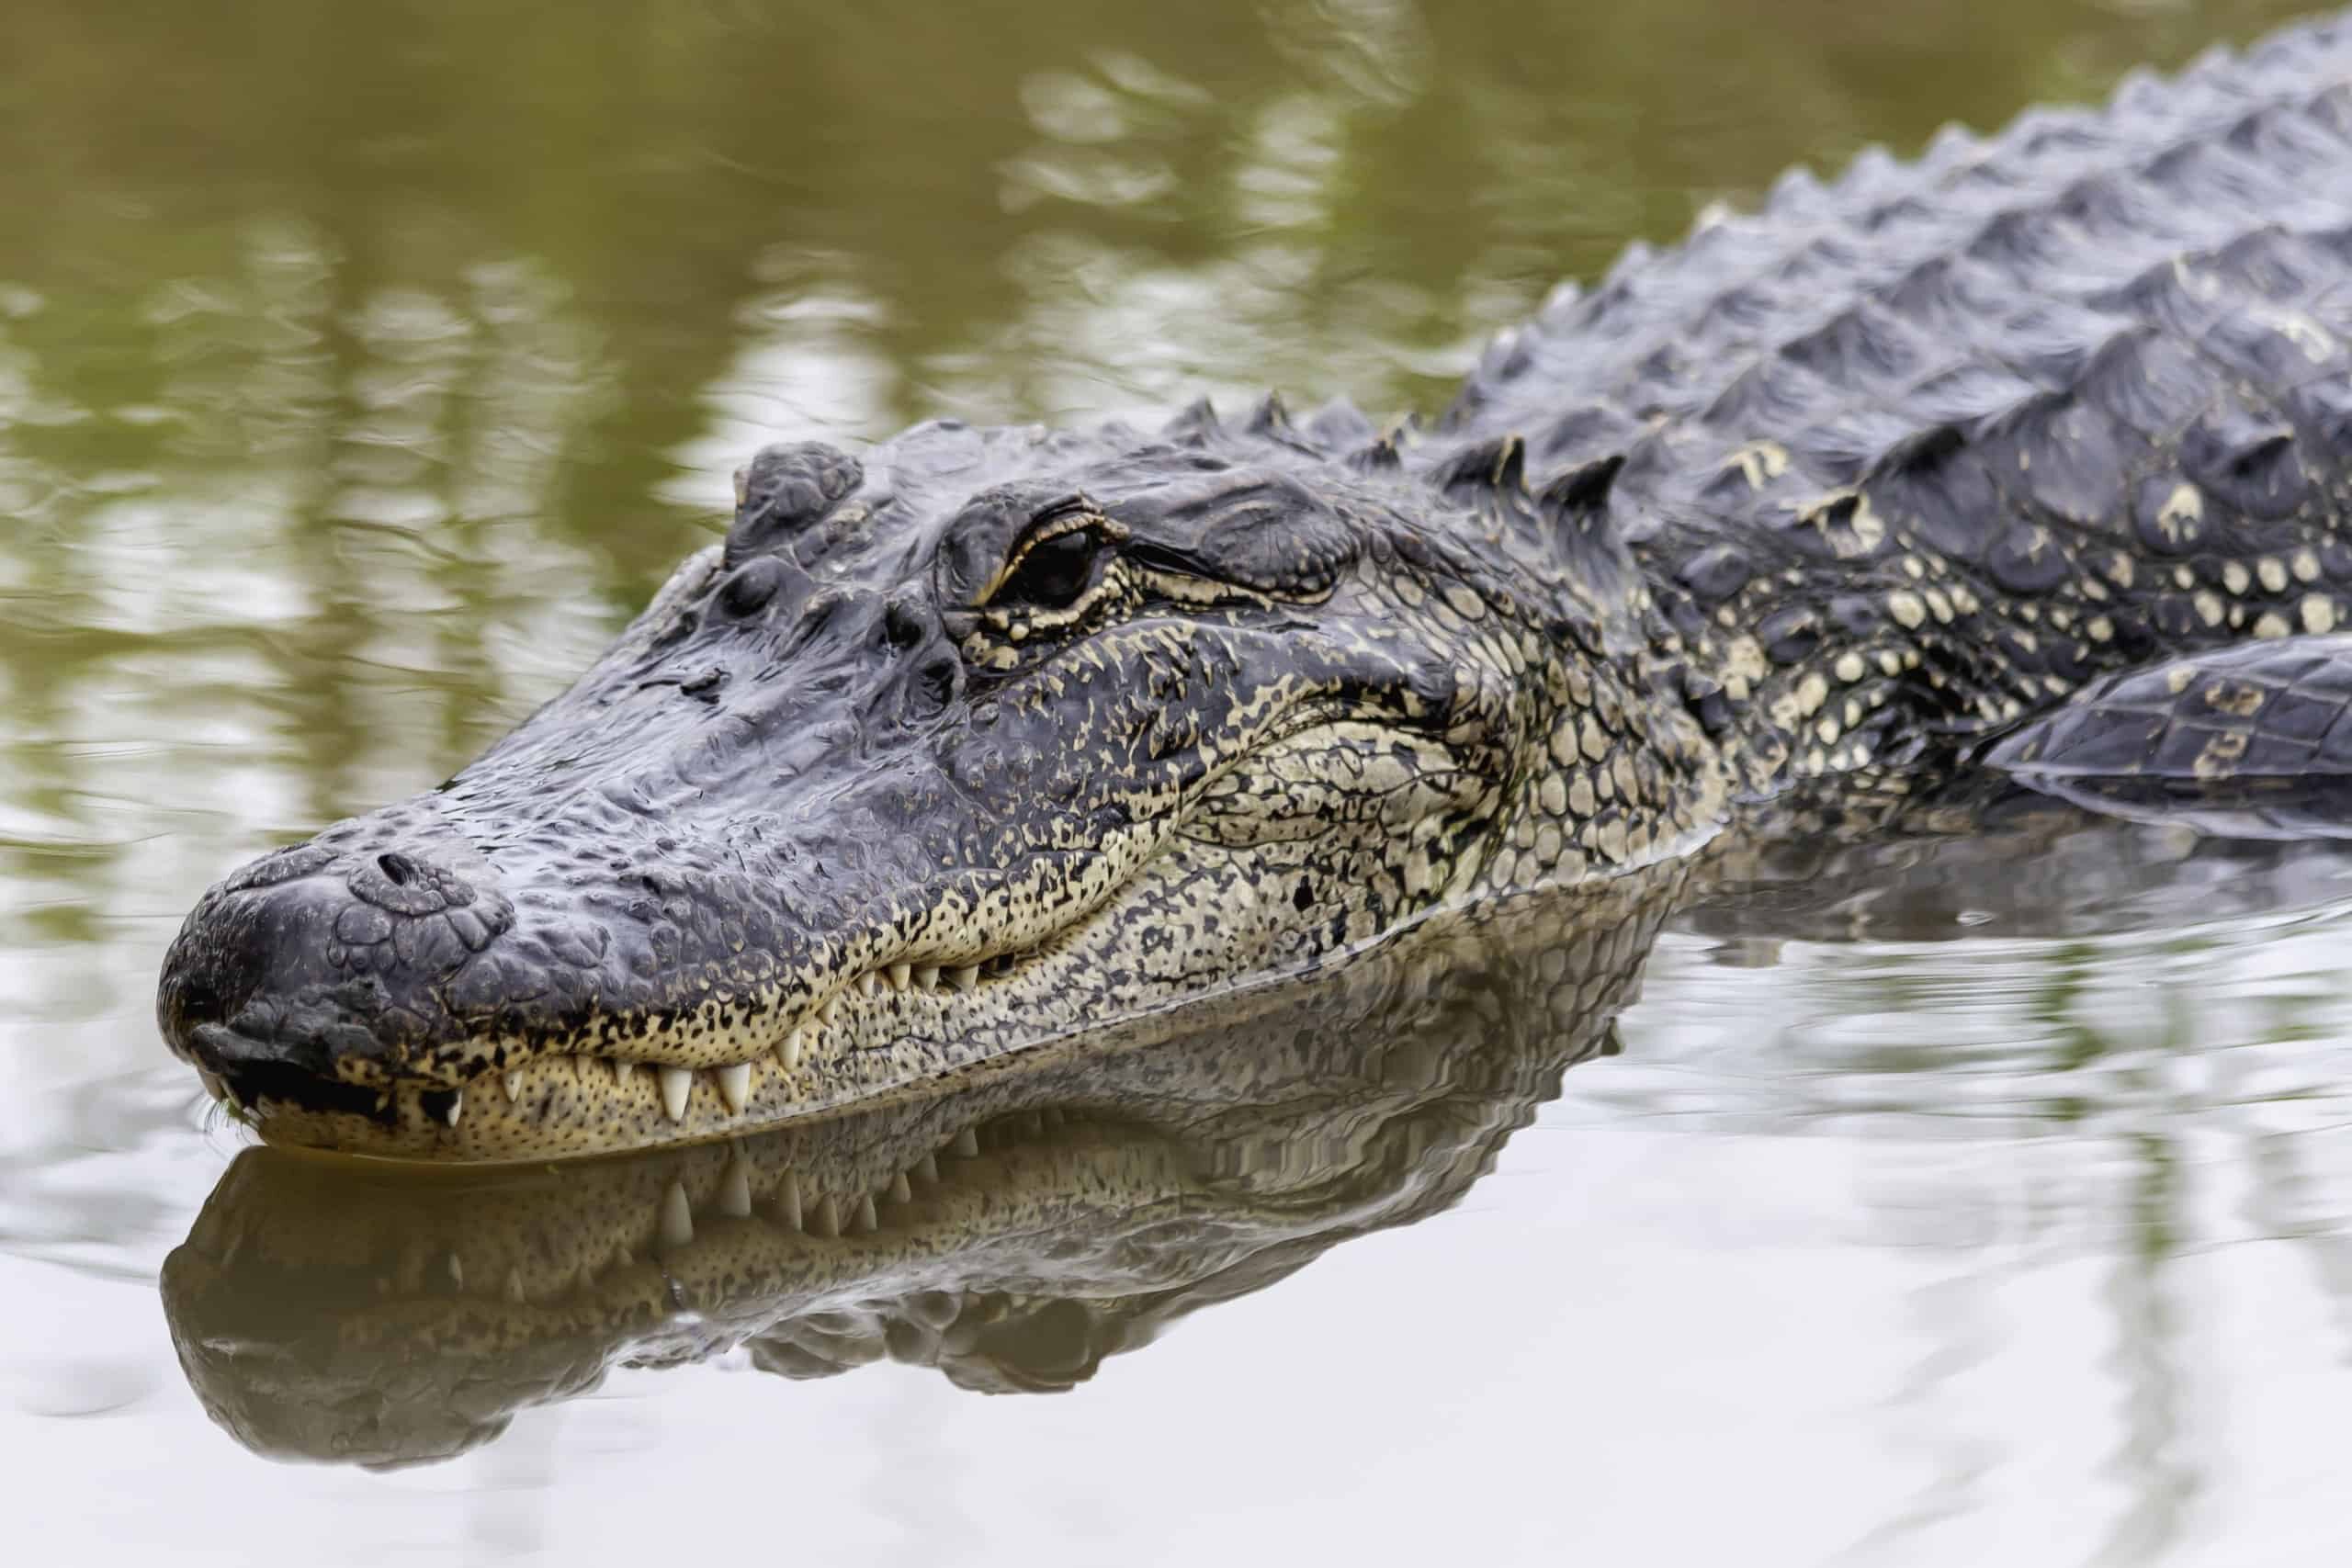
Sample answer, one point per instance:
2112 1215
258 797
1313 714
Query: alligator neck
1815 670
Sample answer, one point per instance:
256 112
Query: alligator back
2032 407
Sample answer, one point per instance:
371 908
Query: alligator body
989 738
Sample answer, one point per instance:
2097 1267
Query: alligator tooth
735 1191
675 1082
828 1222
621 1071
455 1267
867 1220
515 1285
734 1085
513 1082
926 976
899 1191
928 1169
212 1085
833 1008
678 1219
456 1107
964 976
967 1143
787 1200
900 975
789 1052
865 984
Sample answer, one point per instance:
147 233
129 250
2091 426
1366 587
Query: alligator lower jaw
584 1101
882 1037
584 1106
571 1107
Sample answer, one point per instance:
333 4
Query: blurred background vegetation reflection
362 365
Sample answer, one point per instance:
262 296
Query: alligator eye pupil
1053 574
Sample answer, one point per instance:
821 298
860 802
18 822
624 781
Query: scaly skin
994 736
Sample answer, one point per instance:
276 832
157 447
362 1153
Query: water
361 366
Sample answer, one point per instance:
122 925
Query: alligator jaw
878 1036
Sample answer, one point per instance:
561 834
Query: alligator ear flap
1196 426
1497 466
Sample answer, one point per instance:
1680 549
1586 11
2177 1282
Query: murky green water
361 366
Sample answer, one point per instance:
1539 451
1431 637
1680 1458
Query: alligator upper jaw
1013 1234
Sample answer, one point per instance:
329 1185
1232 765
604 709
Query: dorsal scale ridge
1494 466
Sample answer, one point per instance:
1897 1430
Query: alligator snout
319 966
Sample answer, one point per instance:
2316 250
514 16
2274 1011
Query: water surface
363 365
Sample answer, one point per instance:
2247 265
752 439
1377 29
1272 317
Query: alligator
990 737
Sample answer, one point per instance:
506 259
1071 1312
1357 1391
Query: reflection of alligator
1012 1233
996 736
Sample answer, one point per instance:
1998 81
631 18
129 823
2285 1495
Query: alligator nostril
192 996
398 869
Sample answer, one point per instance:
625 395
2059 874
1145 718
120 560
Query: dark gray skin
2253 741
991 737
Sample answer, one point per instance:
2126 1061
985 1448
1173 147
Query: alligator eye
1054 573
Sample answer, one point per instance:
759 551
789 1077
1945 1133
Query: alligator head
1013 1234
994 737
